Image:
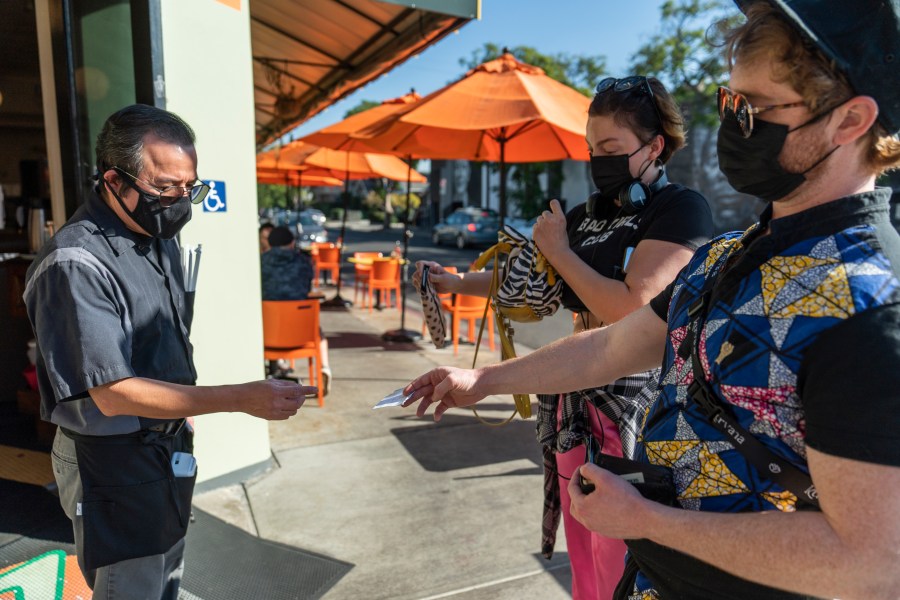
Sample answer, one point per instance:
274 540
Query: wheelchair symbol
213 202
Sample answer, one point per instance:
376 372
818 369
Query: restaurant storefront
241 72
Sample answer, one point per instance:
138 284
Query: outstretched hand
549 232
447 387
274 399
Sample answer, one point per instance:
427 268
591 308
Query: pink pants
597 562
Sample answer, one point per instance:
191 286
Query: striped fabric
528 280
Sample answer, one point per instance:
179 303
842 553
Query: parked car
310 228
317 215
467 226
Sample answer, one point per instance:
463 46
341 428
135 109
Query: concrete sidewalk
423 511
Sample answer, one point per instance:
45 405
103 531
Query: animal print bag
431 306
527 288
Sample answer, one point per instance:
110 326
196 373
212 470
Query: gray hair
121 141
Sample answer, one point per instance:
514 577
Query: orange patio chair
469 308
328 261
385 276
361 274
291 331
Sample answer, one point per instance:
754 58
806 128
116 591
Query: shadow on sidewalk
224 562
462 443
342 340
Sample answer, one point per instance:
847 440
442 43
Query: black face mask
157 220
751 164
611 173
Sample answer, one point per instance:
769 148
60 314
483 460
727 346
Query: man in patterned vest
777 417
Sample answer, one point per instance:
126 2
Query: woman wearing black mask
615 252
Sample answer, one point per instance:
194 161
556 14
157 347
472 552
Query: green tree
282 196
580 72
685 56
362 106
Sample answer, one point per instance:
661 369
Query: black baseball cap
862 37
280 236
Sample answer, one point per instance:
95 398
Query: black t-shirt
674 214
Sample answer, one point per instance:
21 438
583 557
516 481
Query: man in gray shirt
115 366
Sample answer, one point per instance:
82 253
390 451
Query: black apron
132 504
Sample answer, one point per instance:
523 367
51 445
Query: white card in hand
395 398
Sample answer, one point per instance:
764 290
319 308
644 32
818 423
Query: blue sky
612 28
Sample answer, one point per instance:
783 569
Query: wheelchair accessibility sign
215 200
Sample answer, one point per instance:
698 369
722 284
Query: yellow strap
507 350
541 264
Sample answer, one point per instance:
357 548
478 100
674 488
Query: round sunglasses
169 195
738 105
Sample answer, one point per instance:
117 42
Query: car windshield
307 220
485 217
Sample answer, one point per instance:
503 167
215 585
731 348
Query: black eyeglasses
169 195
636 83
738 105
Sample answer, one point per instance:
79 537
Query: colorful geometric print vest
765 311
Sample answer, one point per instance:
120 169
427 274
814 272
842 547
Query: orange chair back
385 269
447 295
465 302
291 323
328 254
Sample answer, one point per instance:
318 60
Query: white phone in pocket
184 464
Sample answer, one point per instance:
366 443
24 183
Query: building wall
209 83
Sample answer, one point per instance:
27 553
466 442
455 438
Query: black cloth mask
611 173
751 164
154 218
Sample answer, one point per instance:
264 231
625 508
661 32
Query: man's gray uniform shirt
105 304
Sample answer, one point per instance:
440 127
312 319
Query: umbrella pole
404 335
502 178
338 303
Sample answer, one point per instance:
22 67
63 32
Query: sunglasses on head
738 105
635 83
169 195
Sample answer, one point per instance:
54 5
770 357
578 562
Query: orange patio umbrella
339 135
502 111
301 156
296 178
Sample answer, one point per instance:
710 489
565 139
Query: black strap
766 462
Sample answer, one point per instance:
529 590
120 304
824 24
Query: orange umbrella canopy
502 106
296 178
337 163
339 135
